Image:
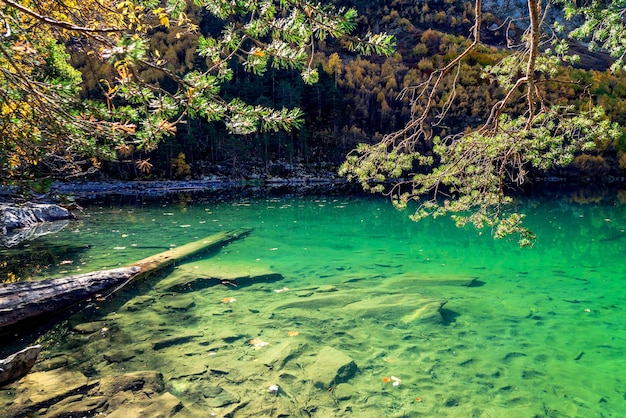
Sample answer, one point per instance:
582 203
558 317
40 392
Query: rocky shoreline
93 189
27 221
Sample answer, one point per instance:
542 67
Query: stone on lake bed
147 381
179 303
344 391
195 276
77 406
217 397
55 362
44 388
412 280
89 327
138 303
174 340
321 301
330 368
164 405
118 356
18 364
278 355
193 367
409 307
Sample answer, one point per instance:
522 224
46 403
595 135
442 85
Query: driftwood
26 300
29 300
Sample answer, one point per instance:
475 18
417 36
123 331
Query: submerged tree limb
28 300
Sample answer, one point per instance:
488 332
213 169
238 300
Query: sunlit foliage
44 123
467 172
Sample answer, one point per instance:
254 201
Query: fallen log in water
27 300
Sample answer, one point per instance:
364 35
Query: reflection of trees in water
35 258
590 193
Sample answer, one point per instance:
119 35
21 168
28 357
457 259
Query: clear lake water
439 321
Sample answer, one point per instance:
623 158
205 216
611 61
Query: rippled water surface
438 321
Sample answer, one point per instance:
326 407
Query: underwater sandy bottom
446 327
514 350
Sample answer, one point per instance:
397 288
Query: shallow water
467 326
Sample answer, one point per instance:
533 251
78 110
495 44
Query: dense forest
357 98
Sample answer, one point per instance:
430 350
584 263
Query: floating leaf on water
258 343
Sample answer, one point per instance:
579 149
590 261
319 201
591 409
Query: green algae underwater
342 306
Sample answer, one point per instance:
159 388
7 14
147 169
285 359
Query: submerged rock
188 278
174 340
217 397
41 389
77 406
164 405
119 356
146 381
89 327
18 364
330 368
409 308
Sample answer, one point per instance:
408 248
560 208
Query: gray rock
344 391
278 355
49 387
330 368
30 214
76 406
89 327
118 356
24 222
146 381
55 362
175 340
217 397
18 364
164 405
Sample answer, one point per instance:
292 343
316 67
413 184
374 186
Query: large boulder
30 214
25 221
18 364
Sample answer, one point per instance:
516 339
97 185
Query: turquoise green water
536 332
